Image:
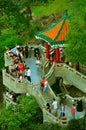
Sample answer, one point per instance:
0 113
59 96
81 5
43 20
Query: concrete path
36 71
36 74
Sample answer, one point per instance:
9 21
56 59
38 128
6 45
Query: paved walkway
36 71
36 74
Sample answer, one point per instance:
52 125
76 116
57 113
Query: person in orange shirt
20 66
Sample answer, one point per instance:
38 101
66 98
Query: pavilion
55 36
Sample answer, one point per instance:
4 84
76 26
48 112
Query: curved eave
49 40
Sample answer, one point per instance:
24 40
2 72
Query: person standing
62 110
45 86
42 82
26 50
37 60
55 106
28 74
73 108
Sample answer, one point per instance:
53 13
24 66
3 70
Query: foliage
11 8
75 48
9 39
21 116
78 124
48 126
15 19
53 6
34 27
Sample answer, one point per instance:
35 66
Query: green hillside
54 6
76 36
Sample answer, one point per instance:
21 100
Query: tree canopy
21 116
75 48
15 17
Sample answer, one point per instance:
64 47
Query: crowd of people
12 96
59 111
20 70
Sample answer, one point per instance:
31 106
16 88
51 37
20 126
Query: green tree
8 38
48 126
75 48
15 26
23 116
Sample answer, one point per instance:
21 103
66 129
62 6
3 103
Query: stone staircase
26 87
48 97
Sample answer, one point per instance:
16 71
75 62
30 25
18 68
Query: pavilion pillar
57 55
47 50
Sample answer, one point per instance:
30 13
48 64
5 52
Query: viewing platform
51 72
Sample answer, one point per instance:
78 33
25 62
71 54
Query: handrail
72 69
44 102
42 47
40 99
52 92
40 95
29 85
77 98
50 115
76 72
50 71
48 75
8 57
8 99
5 73
12 77
8 60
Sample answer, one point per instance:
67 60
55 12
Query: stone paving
36 71
36 74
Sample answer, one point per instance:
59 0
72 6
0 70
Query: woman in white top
28 74
55 106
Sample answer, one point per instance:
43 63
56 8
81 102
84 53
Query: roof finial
66 12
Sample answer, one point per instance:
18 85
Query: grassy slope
55 6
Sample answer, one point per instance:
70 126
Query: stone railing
44 64
51 75
8 60
36 93
45 61
8 101
72 76
42 50
49 117
13 83
53 94
72 100
82 68
26 87
47 67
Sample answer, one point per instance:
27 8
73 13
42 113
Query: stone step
48 97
